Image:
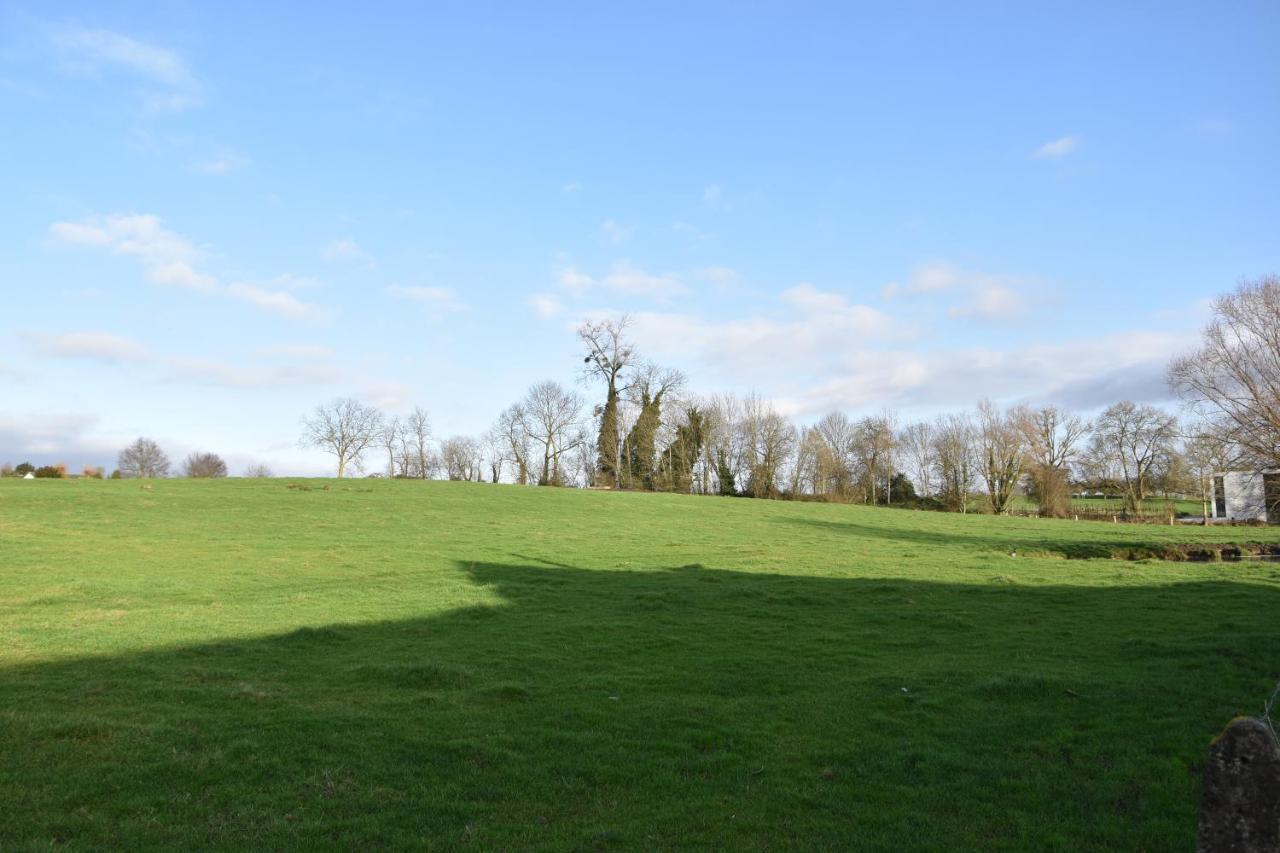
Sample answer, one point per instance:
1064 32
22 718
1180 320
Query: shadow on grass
687 708
1067 543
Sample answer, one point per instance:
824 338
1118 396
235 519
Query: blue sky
216 216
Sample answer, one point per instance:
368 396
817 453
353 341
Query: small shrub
50 472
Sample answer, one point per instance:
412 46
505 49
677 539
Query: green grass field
355 664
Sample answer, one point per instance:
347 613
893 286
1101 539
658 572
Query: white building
1247 496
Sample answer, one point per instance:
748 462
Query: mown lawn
240 664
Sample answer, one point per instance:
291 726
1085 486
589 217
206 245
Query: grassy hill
312 664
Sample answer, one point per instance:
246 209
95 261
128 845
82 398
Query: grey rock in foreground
1240 801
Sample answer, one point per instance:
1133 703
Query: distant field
1156 506
356 664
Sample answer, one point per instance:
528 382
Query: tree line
648 431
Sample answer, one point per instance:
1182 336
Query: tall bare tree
143 459
954 452
608 355
837 433
551 415
415 437
1001 452
872 448
512 431
391 439
1235 376
345 428
1053 439
767 439
1137 441
919 452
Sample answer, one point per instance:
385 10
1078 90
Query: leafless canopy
143 458
346 428
1235 375
205 465
551 414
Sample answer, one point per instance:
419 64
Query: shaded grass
440 665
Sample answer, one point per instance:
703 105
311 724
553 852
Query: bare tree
143 459
608 355
1235 376
390 439
1137 440
551 414
1206 453
462 458
512 432
920 454
258 470
1001 452
872 448
1053 440
954 452
346 428
833 469
767 440
205 465
415 437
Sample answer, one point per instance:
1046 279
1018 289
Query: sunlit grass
244 664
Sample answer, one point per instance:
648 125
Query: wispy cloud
975 295
437 301
170 260
993 300
574 280
545 307
927 278
571 188
99 51
712 194
102 347
1056 149
615 233
346 249
223 164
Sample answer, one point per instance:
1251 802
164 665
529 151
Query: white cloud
571 188
310 352
625 277
574 280
545 306
346 249
436 300
1056 149
711 194
723 276
982 296
927 278
55 437
226 375
97 51
822 326
223 164
615 233
169 259
276 301
95 346
994 300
